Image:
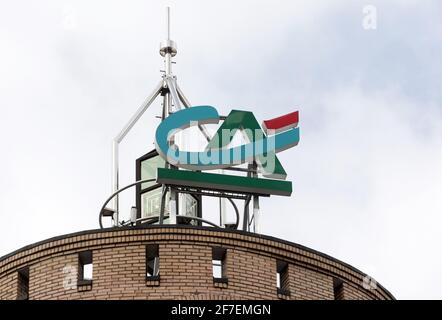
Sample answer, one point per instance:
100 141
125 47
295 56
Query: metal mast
173 99
168 50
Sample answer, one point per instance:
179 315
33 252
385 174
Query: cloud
366 188
366 173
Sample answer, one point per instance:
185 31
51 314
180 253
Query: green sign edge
214 181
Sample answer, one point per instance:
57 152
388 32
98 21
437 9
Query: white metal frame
173 100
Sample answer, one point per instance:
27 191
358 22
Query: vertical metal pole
220 214
168 107
246 218
163 188
163 111
168 56
172 193
163 203
256 212
172 206
168 22
115 180
222 209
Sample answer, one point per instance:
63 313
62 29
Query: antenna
168 22
168 47
173 100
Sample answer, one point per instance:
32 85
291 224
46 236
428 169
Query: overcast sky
367 172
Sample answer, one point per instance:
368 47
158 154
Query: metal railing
157 218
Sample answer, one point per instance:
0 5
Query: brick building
178 262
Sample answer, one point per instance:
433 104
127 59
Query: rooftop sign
275 136
171 191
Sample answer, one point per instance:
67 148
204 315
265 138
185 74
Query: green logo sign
264 142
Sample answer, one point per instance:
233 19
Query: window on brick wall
23 284
338 289
152 261
282 278
85 268
219 267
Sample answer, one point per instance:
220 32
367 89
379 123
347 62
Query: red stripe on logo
282 123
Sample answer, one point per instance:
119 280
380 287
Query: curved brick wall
185 255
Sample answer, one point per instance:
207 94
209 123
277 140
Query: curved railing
158 218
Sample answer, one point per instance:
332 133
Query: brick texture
185 264
9 287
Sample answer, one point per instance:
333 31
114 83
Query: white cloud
366 172
366 189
